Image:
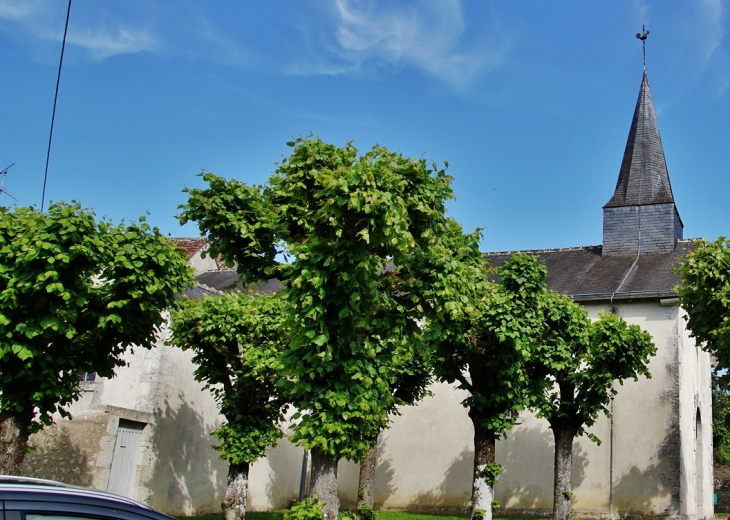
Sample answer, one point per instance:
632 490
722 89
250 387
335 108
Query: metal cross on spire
643 35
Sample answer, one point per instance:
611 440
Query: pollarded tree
411 374
484 335
237 340
577 361
705 295
75 293
352 226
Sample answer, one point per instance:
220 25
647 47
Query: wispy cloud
428 36
44 20
712 17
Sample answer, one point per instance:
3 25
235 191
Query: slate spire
643 178
641 217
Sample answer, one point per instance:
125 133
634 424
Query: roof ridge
550 250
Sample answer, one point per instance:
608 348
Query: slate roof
643 178
581 272
215 283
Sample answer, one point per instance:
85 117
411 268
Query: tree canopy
351 228
575 362
705 295
484 334
75 293
237 340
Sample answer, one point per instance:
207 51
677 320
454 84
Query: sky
529 102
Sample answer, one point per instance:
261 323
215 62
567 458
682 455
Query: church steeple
643 178
641 217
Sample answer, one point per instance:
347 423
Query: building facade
146 433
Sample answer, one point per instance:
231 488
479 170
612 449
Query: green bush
308 509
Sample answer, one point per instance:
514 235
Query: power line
55 100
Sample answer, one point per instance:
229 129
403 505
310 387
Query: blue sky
529 102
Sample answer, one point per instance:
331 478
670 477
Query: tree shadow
282 470
451 494
59 454
646 491
527 457
188 476
384 485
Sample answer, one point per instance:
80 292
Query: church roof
643 178
215 283
585 275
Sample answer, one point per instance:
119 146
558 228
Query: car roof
27 489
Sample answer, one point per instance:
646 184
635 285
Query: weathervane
643 35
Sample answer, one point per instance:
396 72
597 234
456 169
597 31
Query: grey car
24 498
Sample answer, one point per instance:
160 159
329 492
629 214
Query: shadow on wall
384 478
284 474
188 477
528 466
65 453
644 491
450 491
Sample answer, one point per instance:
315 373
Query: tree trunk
13 444
365 491
234 503
562 488
324 482
482 492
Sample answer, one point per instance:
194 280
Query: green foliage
365 512
75 293
578 360
705 295
720 419
308 509
487 330
356 228
495 506
568 494
237 340
479 514
491 473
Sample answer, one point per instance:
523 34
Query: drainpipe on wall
610 466
303 491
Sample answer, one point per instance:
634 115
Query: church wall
645 440
695 415
424 461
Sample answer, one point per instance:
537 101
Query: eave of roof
587 276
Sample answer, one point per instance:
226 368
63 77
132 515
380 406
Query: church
146 433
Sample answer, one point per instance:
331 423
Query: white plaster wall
274 480
424 460
178 472
645 450
696 492
200 264
187 477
